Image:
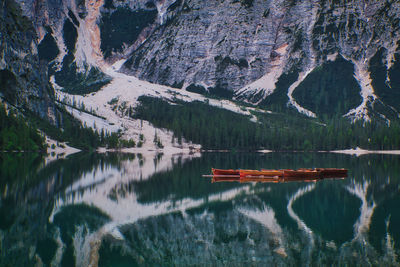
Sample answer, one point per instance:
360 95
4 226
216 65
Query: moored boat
272 172
317 173
225 172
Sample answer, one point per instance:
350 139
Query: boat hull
225 172
310 174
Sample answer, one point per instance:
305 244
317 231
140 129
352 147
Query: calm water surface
157 210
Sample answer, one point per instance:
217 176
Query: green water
157 210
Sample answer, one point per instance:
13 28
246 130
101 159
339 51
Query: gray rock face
228 47
356 29
50 12
213 43
229 44
23 78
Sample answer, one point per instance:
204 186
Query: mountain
245 47
323 59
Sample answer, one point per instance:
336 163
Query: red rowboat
225 172
311 174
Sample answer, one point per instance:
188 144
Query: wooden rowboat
318 173
272 172
225 172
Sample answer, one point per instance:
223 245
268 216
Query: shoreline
62 150
58 150
149 150
359 152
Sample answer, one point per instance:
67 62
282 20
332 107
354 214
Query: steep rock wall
23 78
244 49
245 46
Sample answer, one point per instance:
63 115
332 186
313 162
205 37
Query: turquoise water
157 210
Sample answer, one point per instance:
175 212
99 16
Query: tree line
216 128
81 136
16 134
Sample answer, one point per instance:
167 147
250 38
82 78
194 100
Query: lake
157 210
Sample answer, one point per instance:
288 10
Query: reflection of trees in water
329 237
266 216
18 170
360 251
170 238
28 189
307 232
207 223
25 175
201 238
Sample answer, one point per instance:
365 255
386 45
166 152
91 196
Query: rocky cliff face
263 52
23 78
246 46
78 36
216 44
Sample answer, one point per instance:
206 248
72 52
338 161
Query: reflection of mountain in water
27 191
153 210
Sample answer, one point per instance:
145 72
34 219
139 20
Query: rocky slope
23 78
263 52
245 46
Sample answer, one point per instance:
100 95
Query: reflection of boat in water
302 173
331 172
264 179
305 173
276 176
245 173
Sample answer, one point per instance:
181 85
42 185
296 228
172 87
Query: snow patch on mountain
332 57
106 110
87 47
266 84
162 8
292 101
58 37
362 75
313 6
390 57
